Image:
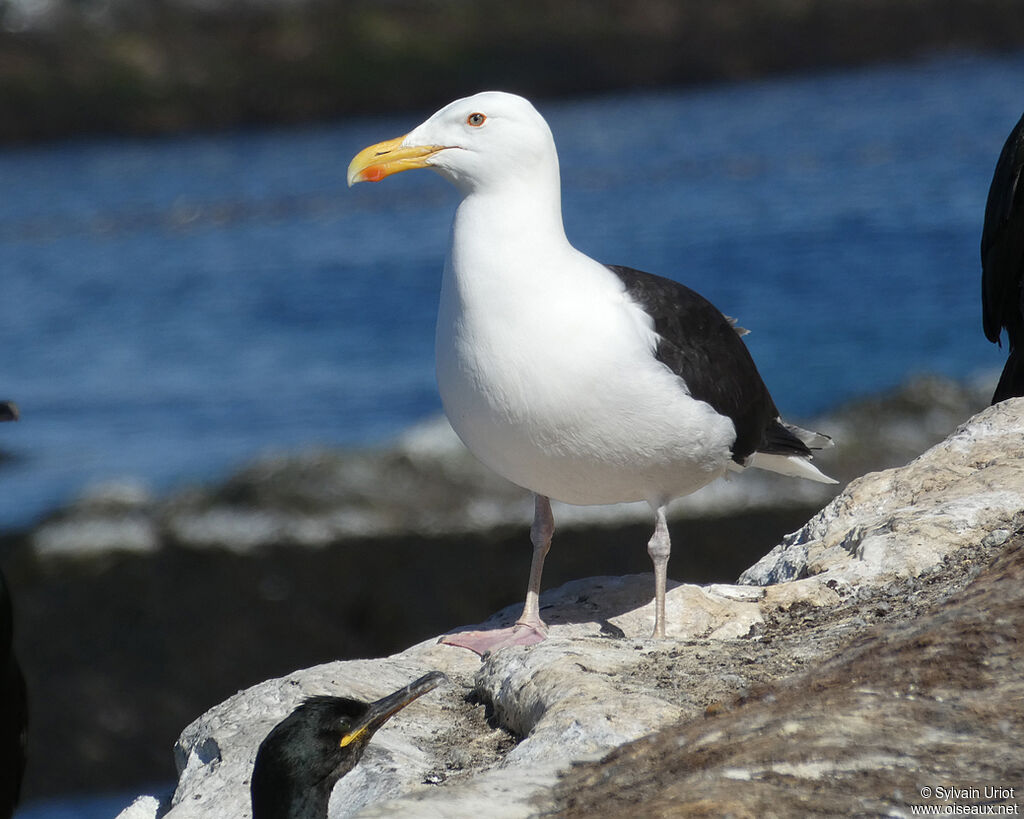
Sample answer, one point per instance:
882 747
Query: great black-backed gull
582 382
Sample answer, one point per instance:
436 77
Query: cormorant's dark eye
476 120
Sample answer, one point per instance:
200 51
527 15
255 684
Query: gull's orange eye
476 120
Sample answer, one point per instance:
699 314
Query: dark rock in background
156 66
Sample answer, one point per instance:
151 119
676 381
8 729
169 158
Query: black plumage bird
13 711
1002 262
13 698
317 744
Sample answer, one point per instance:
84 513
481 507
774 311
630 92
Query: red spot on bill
374 173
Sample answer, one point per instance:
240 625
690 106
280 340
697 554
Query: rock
539 694
925 713
115 495
215 754
142 808
87 535
895 667
595 606
902 521
112 516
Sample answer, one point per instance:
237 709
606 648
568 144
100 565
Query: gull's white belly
572 404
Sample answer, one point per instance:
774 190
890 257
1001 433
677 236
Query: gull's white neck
510 225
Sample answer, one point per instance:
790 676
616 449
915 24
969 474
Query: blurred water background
173 307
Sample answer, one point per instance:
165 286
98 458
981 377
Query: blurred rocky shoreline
137 612
72 67
427 484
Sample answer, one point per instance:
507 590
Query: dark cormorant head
8 411
318 743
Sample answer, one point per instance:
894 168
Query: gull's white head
480 142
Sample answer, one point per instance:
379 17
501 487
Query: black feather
13 711
1002 262
703 347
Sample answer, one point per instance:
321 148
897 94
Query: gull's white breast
547 372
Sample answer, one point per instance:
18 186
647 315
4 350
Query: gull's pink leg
659 547
529 628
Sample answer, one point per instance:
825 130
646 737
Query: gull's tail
786 449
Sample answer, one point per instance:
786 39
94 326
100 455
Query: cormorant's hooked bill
300 760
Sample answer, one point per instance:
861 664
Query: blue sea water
170 308
83 807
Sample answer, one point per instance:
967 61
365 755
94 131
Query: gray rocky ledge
902 521
908 564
